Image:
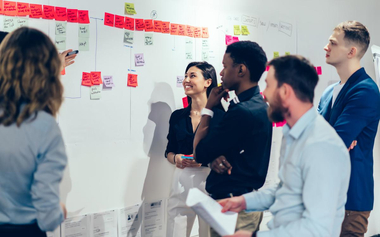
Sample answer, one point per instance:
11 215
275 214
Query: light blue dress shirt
32 160
314 174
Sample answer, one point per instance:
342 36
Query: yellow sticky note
244 30
129 8
287 53
237 30
276 54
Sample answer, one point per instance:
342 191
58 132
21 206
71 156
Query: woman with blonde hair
32 152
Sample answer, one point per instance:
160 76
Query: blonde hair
29 76
355 32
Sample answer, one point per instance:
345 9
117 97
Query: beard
276 111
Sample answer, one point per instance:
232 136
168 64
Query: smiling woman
200 78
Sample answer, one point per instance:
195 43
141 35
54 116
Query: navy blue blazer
355 116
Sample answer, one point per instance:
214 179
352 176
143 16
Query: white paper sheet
129 221
211 212
154 219
76 227
104 224
55 233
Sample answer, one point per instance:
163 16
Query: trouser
181 217
355 223
21 231
249 221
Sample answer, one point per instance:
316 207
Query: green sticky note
96 92
244 30
129 8
60 42
287 53
237 30
276 54
83 30
83 44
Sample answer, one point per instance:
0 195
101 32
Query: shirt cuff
208 112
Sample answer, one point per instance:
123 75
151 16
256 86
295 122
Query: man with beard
238 148
314 162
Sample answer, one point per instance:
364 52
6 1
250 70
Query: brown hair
29 76
355 32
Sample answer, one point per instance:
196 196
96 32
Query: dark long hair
208 72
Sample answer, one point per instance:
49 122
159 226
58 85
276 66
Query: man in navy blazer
352 107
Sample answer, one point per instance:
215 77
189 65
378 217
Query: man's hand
235 204
353 144
216 94
67 61
240 233
220 165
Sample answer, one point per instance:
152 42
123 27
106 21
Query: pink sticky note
235 39
109 19
185 102
83 17
229 39
267 68
72 15
319 70
281 124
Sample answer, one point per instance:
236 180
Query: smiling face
229 73
194 82
276 110
338 49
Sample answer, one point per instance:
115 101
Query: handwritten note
149 25
158 26
179 81
60 28
189 49
140 24
249 20
35 10
129 8
286 28
166 27
276 54
182 30
119 21
96 78
10 8
174 29
23 9
83 17
139 59
20 22
72 15
190 31
205 32
9 23
231 39
148 39
83 43
96 92
244 30
197 32
60 42
83 31
128 37
48 12
108 81
129 23
86 79
237 30
205 49
60 14
109 19
132 80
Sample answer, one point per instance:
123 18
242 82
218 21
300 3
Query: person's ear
353 52
208 83
242 70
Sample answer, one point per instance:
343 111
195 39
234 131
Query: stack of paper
211 212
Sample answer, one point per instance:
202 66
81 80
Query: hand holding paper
211 212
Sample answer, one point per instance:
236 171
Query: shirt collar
301 124
246 95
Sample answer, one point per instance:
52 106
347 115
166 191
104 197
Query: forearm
202 131
171 158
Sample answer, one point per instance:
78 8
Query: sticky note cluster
47 12
91 78
241 31
157 26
